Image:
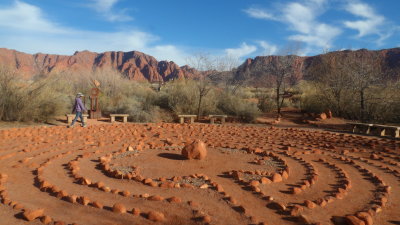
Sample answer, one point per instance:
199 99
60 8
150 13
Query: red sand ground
78 175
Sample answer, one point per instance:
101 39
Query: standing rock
195 150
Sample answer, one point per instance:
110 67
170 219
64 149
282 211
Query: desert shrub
182 97
23 100
234 105
119 95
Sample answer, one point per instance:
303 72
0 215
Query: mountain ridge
134 65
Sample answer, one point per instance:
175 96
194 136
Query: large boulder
195 150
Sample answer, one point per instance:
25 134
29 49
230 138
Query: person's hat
79 94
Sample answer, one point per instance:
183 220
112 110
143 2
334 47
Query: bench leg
354 129
69 119
212 120
181 120
396 134
191 119
382 132
125 119
112 119
368 131
222 120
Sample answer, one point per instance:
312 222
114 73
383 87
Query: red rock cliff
134 65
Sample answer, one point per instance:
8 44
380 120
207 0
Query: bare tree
277 72
365 72
332 79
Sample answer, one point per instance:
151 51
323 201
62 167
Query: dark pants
78 115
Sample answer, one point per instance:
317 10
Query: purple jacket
78 107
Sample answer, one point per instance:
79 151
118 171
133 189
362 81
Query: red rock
352 220
296 190
206 219
59 223
265 180
309 204
119 208
303 219
97 205
195 150
295 211
322 116
72 198
285 175
155 216
136 211
62 194
125 193
254 183
30 215
46 220
84 200
174 200
155 198
321 202
374 156
366 217
276 178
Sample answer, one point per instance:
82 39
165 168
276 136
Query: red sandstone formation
390 63
134 65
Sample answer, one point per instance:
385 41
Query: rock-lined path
134 174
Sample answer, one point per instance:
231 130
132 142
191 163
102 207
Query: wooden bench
376 129
124 117
383 130
71 117
182 118
221 117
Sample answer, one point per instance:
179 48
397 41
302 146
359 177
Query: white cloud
104 5
34 33
27 17
370 23
106 8
301 17
259 14
268 49
242 51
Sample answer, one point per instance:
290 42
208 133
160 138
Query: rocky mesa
134 65
388 61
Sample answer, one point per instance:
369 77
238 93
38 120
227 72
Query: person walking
78 109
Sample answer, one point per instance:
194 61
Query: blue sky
177 29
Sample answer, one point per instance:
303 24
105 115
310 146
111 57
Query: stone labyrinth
135 174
